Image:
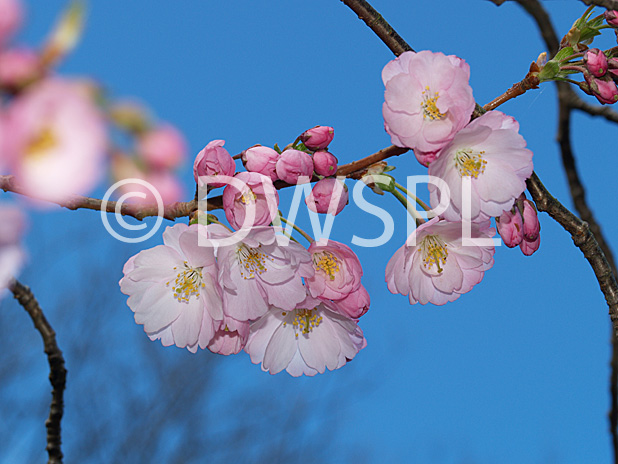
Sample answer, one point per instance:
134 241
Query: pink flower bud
11 13
611 16
163 147
213 160
604 88
324 163
425 158
510 227
528 247
596 62
293 164
532 227
261 159
257 193
18 66
355 304
319 200
317 138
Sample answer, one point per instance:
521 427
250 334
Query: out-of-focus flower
324 163
257 272
318 138
261 159
307 339
173 289
355 305
510 226
213 160
18 67
294 164
230 338
258 192
596 62
11 15
427 99
324 191
338 271
56 138
434 266
611 16
163 147
492 153
12 225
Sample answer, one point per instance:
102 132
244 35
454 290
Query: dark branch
609 4
57 371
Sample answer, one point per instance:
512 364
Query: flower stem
404 201
531 81
420 202
297 229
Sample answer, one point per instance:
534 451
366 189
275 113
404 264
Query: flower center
43 141
429 107
326 262
306 320
251 260
188 282
470 163
248 197
434 251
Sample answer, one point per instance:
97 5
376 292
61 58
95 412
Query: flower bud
510 227
213 160
425 158
319 200
532 227
355 304
163 147
18 66
293 164
11 14
611 16
317 138
596 62
528 247
604 89
261 159
324 163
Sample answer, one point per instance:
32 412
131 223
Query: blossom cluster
484 163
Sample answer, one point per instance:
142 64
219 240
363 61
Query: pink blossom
11 15
18 66
611 16
532 227
355 305
261 159
230 338
173 289
12 225
528 247
257 272
293 165
434 266
324 191
258 192
307 339
318 138
163 147
52 159
425 158
324 163
596 62
604 89
511 227
213 160
338 271
492 153
427 99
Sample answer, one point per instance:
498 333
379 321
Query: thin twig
57 371
609 4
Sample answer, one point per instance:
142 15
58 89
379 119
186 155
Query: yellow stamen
434 251
42 142
470 163
306 320
251 261
326 262
188 283
429 106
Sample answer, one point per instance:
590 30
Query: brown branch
575 102
527 83
57 371
609 4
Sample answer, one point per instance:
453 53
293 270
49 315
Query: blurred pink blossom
12 226
11 16
163 147
18 66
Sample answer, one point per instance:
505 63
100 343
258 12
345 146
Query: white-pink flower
427 99
173 289
257 272
257 192
230 338
493 154
434 265
308 339
56 139
12 225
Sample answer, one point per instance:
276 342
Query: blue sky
515 371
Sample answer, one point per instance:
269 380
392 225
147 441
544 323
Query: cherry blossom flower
434 266
163 147
427 99
213 160
18 66
257 272
355 305
12 225
324 163
258 192
11 15
338 271
492 153
52 159
261 159
318 137
230 338
293 165
307 339
510 226
324 191
173 289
